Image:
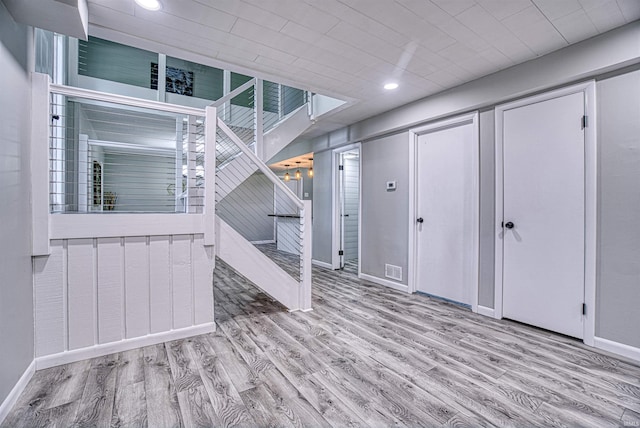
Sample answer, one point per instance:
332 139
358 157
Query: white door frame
335 201
414 133
590 159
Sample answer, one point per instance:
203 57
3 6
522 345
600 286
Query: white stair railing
281 240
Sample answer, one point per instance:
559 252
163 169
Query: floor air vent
393 272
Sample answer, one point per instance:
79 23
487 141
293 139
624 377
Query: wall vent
393 272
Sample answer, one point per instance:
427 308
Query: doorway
446 210
545 211
347 208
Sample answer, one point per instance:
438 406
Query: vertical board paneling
110 316
202 263
136 286
181 275
82 306
49 301
160 284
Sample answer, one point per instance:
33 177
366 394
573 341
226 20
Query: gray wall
385 214
618 290
16 291
384 217
487 209
322 194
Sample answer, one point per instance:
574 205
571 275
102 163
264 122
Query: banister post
259 118
211 120
306 246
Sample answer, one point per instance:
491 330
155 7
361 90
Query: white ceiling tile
576 26
457 53
460 32
497 58
590 4
554 9
246 11
197 12
303 34
606 16
502 9
541 37
426 10
482 22
630 9
454 7
300 12
524 18
365 41
360 20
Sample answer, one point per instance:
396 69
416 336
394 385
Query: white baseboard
487 312
123 345
322 264
630 352
385 282
13 396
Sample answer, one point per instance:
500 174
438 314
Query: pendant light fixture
310 170
298 173
287 177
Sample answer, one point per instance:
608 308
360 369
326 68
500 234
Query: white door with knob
446 219
543 217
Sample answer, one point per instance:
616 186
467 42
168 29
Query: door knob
509 225
420 220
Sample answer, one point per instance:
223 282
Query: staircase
244 193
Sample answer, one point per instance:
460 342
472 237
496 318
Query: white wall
16 291
98 291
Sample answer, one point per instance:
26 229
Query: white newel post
40 124
211 120
259 118
305 285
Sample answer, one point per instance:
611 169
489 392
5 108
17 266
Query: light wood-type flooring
365 356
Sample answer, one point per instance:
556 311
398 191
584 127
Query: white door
447 177
544 214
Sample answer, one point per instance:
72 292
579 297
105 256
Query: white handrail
261 165
70 91
240 89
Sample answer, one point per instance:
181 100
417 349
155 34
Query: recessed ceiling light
149 4
391 85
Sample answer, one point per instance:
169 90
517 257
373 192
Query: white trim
322 264
120 346
70 91
385 282
617 348
14 394
590 144
75 226
39 146
469 118
487 312
335 214
266 241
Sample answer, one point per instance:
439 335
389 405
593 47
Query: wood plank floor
365 356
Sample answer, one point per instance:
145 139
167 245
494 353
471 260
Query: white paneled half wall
99 295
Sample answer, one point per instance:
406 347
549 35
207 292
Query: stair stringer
250 262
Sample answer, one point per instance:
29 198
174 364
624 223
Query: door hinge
584 309
341 167
584 122
340 253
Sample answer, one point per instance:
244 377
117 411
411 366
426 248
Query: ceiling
349 48
302 161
